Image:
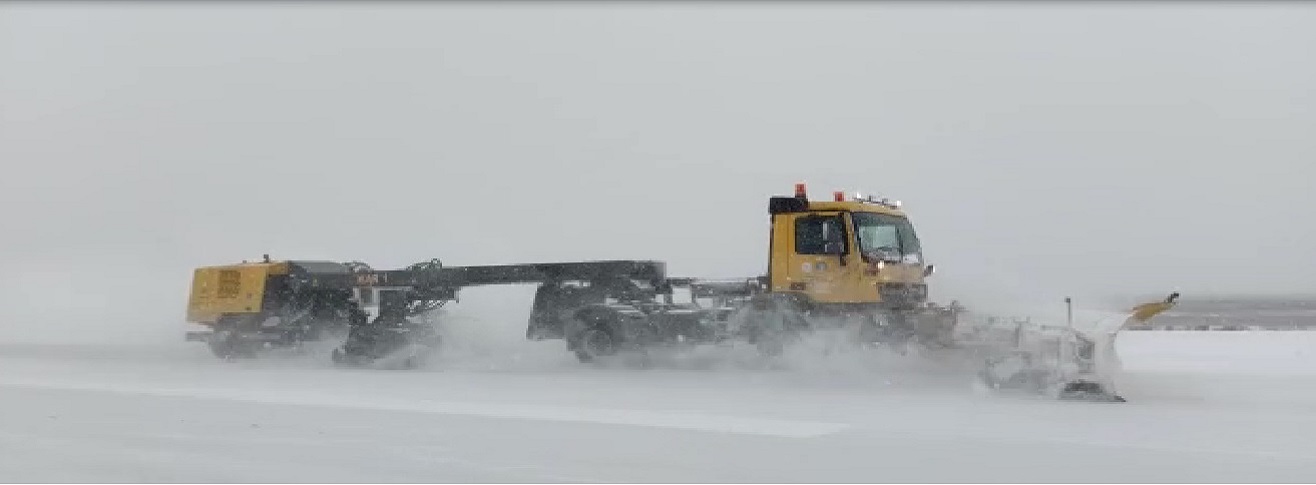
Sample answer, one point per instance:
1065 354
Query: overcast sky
1071 148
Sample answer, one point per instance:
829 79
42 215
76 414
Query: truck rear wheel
593 343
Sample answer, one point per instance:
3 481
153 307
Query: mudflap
1087 391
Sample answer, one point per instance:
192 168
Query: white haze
1110 152
1043 150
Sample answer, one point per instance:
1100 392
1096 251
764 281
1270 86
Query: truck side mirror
927 270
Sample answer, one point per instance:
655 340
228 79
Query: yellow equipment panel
235 289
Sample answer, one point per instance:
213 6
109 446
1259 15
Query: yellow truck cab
855 253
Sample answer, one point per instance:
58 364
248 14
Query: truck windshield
891 233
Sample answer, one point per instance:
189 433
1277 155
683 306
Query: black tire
595 342
595 331
227 344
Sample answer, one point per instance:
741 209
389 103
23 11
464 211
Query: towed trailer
249 307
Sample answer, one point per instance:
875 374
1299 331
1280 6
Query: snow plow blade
1071 363
1105 359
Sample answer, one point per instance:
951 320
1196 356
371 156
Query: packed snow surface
1203 407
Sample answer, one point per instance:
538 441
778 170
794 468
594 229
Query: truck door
810 253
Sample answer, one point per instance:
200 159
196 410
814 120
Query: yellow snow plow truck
853 264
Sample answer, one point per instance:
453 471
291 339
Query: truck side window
811 233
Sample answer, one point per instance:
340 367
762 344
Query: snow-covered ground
1204 407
